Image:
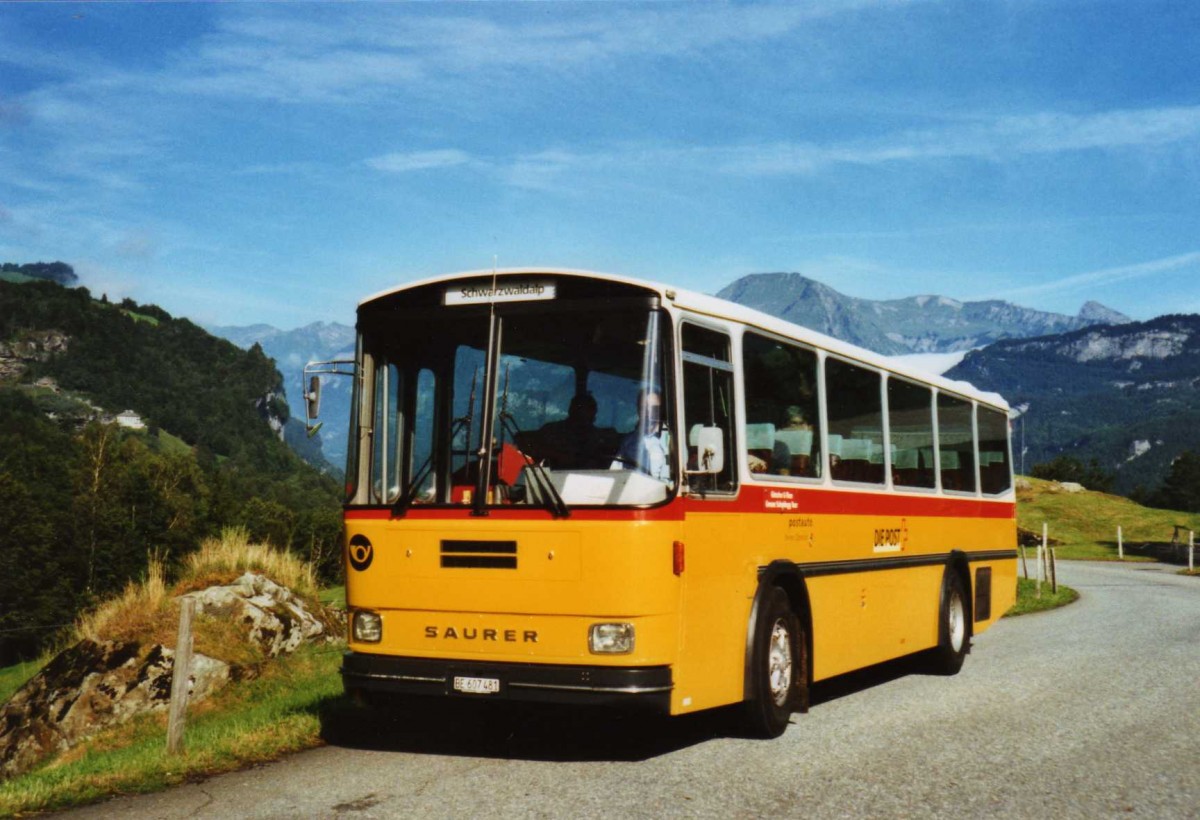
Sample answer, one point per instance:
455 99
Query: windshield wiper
410 495
546 490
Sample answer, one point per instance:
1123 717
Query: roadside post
1191 550
1120 545
179 677
1041 558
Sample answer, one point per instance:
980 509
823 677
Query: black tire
777 667
954 627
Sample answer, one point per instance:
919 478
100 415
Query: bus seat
835 445
760 441
952 474
906 469
854 464
797 442
798 445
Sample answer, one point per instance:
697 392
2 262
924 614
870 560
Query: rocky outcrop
273 410
33 346
275 619
89 687
98 684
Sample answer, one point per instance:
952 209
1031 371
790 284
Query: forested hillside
1127 395
83 499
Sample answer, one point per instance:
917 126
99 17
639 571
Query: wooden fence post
1041 559
179 677
1024 563
1053 571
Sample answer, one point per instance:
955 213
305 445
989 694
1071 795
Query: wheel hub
779 663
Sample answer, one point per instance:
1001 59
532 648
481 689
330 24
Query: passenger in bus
646 446
576 441
796 420
780 460
783 461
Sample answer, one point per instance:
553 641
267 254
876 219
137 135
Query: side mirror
313 397
710 449
312 394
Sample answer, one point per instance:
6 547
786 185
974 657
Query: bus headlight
368 627
610 639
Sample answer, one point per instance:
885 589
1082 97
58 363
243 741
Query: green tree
1180 490
1068 468
37 588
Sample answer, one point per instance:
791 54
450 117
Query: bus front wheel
778 642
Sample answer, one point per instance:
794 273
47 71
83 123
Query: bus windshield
554 406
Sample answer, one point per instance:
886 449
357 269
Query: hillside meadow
1085 523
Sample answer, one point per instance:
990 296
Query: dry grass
140 613
148 611
223 559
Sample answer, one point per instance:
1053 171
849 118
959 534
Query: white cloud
1109 276
992 139
400 163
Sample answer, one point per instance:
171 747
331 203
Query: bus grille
479 554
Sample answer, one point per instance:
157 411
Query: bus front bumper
640 686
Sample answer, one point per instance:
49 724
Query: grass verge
1028 600
334 597
276 714
1085 523
13 677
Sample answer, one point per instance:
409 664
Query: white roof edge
723 309
520 271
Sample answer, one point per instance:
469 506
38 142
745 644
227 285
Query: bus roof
722 309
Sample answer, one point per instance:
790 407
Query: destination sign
487 292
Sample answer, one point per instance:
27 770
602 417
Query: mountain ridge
914 324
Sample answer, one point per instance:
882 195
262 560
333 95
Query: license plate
477 686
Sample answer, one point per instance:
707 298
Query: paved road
1089 711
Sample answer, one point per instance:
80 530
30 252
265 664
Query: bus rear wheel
954 633
776 667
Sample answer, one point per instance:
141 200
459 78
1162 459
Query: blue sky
238 163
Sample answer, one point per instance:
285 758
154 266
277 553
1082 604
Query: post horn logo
361 552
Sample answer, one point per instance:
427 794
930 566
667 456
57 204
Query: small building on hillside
131 420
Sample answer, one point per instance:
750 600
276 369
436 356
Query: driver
647 446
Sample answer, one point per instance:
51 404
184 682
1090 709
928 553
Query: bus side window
782 419
910 425
956 444
995 474
386 432
855 408
708 402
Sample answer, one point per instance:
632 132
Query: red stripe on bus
751 499
669 512
780 500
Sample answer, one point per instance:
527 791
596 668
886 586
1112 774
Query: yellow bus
582 488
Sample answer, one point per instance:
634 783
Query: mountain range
916 324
